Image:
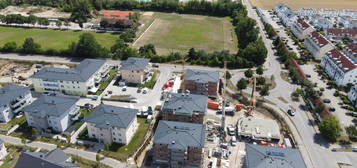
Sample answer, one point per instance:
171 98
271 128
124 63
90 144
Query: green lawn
47 38
180 32
121 152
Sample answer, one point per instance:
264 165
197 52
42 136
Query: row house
185 107
53 159
321 22
286 15
110 124
317 45
348 22
135 70
81 80
204 82
341 33
179 144
351 51
339 67
13 99
52 113
352 95
301 29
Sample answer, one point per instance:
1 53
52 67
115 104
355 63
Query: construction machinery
252 101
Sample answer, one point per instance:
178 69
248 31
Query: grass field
297 4
47 38
180 32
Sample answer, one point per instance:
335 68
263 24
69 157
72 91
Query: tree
330 128
97 157
259 70
192 54
33 131
264 91
246 31
58 23
148 49
248 73
104 24
242 84
88 47
255 52
228 75
352 132
118 48
129 52
9 47
261 80
30 47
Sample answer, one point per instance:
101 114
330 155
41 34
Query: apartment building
352 95
339 67
110 124
179 144
55 113
301 29
185 107
204 82
3 151
286 15
135 70
53 159
351 51
81 80
339 34
13 99
317 45
348 22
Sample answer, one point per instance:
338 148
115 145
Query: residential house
202 82
348 22
339 67
13 99
352 95
111 124
286 15
317 45
53 159
81 80
3 151
341 33
52 112
321 22
301 29
185 107
179 144
351 52
258 156
135 70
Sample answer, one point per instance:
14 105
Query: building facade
351 52
185 107
81 80
352 95
52 112
286 15
301 29
13 99
339 67
135 70
204 82
111 124
179 144
317 45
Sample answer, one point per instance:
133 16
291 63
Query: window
113 133
101 134
114 139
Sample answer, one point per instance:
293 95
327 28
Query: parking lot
339 112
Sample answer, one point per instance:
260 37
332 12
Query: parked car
124 88
88 105
231 130
155 65
139 89
291 112
308 75
145 90
234 141
327 101
331 108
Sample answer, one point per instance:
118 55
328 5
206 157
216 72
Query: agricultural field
297 4
47 38
171 32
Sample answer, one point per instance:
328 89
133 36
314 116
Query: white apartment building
54 113
317 45
352 95
110 124
286 15
81 80
301 29
339 67
348 22
351 52
135 70
3 151
13 99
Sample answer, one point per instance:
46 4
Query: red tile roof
319 39
342 32
302 23
352 48
116 14
341 60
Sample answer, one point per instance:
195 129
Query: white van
234 141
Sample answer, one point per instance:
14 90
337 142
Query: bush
330 128
9 47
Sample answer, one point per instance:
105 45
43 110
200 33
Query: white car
234 141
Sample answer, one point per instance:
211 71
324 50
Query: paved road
316 148
82 153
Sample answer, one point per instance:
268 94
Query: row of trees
19 19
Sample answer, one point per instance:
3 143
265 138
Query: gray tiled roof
11 92
53 159
180 135
186 103
201 76
258 156
105 116
133 63
50 105
80 73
